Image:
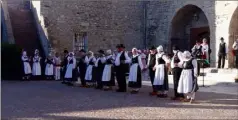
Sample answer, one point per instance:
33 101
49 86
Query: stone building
94 25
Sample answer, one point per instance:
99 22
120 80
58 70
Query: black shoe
70 84
118 90
63 82
160 95
134 92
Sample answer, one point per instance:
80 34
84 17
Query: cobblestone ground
52 100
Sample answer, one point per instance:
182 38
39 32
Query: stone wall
162 12
107 23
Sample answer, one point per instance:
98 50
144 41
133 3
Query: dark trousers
221 60
82 75
63 71
121 78
176 75
236 64
152 76
99 77
198 67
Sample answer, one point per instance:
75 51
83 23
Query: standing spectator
235 48
57 62
26 64
64 64
222 53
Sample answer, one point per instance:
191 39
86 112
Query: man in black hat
121 61
100 63
64 64
176 71
82 65
150 65
222 53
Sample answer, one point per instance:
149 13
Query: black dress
111 82
99 72
137 83
165 86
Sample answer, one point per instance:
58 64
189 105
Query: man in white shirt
235 48
222 53
121 61
176 71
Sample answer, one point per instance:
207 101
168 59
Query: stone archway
188 25
233 35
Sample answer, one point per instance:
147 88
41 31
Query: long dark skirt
138 83
165 86
112 80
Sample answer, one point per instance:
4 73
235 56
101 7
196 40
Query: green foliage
11 62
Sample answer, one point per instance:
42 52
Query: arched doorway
233 35
188 25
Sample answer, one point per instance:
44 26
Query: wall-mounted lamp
195 17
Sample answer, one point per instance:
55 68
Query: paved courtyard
52 100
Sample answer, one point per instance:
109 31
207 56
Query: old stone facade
106 23
139 23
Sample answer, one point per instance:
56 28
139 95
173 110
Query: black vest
161 60
188 64
152 60
222 49
124 67
91 62
100 64
71 61
82 64
49 61
26 58
176 58
198 52
109 61
135 60
65 62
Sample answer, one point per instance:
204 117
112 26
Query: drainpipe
145 24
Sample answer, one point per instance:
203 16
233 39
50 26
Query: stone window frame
80 41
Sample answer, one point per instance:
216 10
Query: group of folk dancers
101 71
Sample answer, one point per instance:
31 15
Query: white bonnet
160 48
109 52
187 54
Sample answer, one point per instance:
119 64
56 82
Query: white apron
27 67
106 76
133 73
89 71
185 84
36 69
159 75
49 69
69 70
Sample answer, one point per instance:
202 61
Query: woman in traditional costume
161 73
49 68
135 72
108 77
36 69
27 68
188 79
89 72
70 69
205 50
99 66
57 65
